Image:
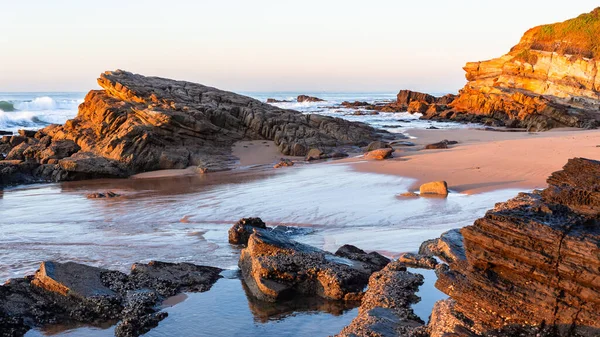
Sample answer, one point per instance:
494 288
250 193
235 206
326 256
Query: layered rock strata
550 79
530 266
137 123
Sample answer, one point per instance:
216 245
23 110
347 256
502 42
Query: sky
264 45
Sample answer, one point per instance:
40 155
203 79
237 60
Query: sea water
186 219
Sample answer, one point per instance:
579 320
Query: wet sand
486 160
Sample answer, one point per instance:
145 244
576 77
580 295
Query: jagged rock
407 96
275 267
386 306
354 105
418 107
379 154
26 133
532 264
169 279
548 80
273 100
241 231
449 247
305 98
434 188
418 260
72 292
374 260
137 123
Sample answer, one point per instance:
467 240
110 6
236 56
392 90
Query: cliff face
138 123
550 79
531 264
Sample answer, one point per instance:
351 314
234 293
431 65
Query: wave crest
46 103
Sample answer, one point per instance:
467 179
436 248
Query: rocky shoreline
138 124
528 267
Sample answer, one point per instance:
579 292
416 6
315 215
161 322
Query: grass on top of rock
579 37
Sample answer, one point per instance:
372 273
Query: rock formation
385 309
72 292
276 268
137 123
530 266
305 98
550 79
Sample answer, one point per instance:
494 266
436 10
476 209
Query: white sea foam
47 103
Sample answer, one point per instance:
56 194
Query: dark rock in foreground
137 124
530 267
67 292
386 306
275 268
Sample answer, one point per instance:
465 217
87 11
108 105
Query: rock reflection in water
264 312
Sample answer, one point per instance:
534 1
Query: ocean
35 110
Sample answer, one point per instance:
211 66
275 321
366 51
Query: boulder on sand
379 154
275 267
434 188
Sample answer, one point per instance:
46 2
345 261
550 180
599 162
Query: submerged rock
530 266
284 163
72 292
275 267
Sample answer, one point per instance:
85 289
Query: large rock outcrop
72 292
530 266
138 123
550 79
276 268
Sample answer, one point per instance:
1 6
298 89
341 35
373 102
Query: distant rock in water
138 123
529 267
548 80
305 98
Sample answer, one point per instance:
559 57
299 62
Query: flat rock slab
72 279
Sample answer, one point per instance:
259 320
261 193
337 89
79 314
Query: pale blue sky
264 45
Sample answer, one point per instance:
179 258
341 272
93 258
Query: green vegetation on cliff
579 37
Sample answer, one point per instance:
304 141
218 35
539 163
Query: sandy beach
486 160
